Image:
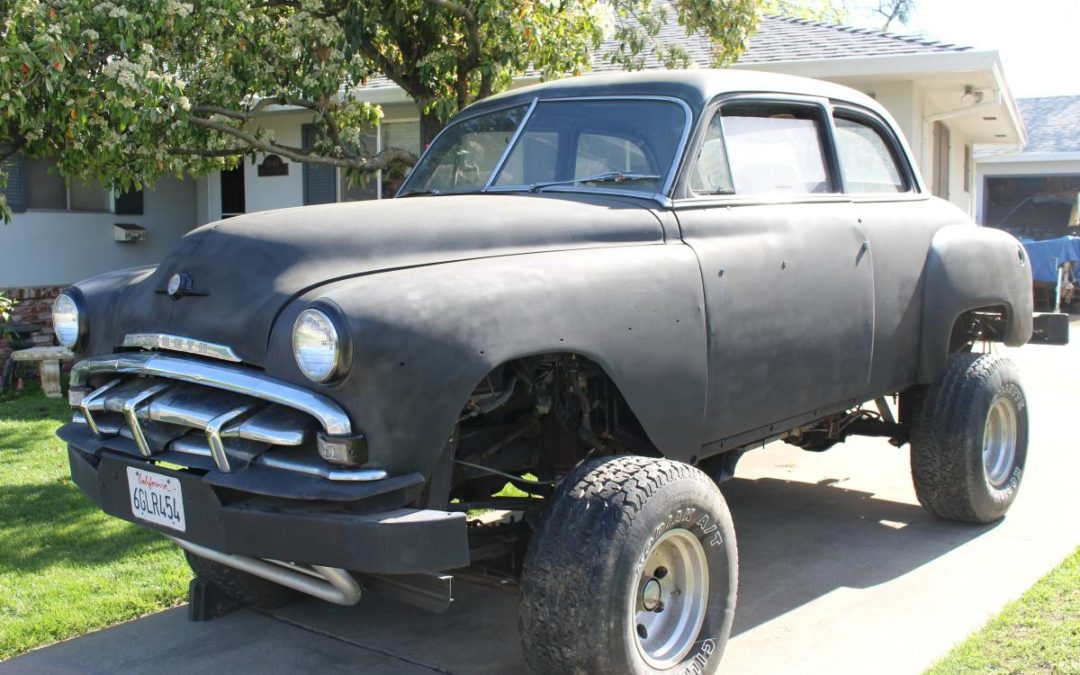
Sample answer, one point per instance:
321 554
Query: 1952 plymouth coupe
599 290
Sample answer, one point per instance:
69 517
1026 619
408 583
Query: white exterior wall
53 248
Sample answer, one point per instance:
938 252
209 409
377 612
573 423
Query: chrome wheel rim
999 441
668 605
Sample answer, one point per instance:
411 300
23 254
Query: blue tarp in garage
1048 255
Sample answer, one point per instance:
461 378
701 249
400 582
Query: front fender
970 267
104 298
423 338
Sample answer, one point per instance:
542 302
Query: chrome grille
233 415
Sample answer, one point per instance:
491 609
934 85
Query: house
946 98
1035 190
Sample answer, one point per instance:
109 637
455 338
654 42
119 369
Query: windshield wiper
419 193
606 177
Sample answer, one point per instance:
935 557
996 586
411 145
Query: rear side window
866 162
774 149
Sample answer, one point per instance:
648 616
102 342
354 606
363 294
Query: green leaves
129 90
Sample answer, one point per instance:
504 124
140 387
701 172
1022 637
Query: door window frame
884 131
684 197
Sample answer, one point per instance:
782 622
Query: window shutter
320 181
129 203
15 192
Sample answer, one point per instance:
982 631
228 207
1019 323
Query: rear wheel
247 589
632 570
969 439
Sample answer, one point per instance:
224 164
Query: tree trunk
430 125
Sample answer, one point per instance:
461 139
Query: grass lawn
65 567
1039 633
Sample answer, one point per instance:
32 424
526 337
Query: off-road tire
247 589
947 436
585 561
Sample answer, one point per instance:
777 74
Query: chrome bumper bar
236 379
226 413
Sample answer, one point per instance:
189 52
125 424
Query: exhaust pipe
331 584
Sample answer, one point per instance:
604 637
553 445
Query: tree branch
475 41
383 160
206 152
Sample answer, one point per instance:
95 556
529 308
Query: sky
1037 39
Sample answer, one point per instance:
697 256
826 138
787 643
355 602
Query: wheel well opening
532 420
984 324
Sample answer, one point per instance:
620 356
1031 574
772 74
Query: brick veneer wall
34 307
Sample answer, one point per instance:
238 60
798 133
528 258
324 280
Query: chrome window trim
179 343
236 379
510 145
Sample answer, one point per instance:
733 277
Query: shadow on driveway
797 541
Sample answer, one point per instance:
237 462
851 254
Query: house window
364 187
87 195
36 184
46 188
404 135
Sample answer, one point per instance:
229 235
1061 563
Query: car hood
245 269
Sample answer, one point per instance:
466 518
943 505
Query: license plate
155 498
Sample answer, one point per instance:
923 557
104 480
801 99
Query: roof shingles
784 38
1052 122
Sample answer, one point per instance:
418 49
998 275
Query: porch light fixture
971 96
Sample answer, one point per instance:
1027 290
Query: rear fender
970 268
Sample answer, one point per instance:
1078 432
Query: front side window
775 149
465 154
867 164
626 144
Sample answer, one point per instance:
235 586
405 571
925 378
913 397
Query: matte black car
536 363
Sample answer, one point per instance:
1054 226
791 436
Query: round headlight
316 345
66 320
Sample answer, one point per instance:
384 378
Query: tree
128 91
894 10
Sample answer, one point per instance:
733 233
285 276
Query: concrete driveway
842 572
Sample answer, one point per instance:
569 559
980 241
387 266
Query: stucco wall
53 248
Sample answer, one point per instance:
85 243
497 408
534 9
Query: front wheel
633 569
969 439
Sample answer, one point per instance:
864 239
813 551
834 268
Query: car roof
696 87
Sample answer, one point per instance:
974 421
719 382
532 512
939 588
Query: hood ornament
180 284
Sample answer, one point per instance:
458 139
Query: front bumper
344 534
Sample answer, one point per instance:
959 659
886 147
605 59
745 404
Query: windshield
623 144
